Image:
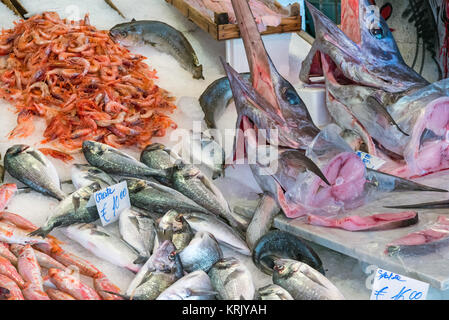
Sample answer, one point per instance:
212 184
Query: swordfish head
283 109
370 57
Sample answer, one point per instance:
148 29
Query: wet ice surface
238 186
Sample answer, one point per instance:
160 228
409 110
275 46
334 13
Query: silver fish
189 180
103 244
222 232
262 220
194 286
32 168
162 37
232 280
139 232
162 260
273 292
303 282
172 226
84 174
158 156
71 210
114 161
201 253
154 197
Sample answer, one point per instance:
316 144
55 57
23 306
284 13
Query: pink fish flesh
379 221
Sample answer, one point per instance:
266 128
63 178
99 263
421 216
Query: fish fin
38 156
375 104
76 202
41 232
307 63
132 20
99 233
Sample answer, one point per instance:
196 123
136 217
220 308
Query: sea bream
371 91
32 168
193 286
303 282
162 37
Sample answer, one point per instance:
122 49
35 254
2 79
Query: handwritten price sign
392 286
111 202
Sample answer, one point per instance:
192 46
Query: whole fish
10 288
32 168
162 37
194 286
17 220
138 231
201 253
71 284
280 244
71 210
84 174
189 180
303 282
163 259
159 199
114 161
103 244
172 226
262 220
158 156
222 232
216 98
232 280
273 292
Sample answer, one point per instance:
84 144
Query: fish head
171 221
227 263
17 149
154 147
163 259
371 57
94 147
284 268
127 34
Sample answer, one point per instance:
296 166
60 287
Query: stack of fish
171 238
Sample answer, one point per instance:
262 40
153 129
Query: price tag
370 161
392 286
111 201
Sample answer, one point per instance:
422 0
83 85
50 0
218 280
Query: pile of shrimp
85 85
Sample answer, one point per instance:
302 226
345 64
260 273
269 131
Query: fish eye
377 33
279 268
179 218
172 255
291 96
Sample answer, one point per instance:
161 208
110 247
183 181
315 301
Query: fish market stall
101 94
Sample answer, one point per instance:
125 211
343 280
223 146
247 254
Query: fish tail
41 232
124 296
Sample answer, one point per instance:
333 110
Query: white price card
111 201
392 286
370 161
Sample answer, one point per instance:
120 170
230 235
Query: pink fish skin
17 220
29 268
14 291
72 285
55 294
379 221
7 191
10 233
44 260
5 252
102 283
32 292
7 269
